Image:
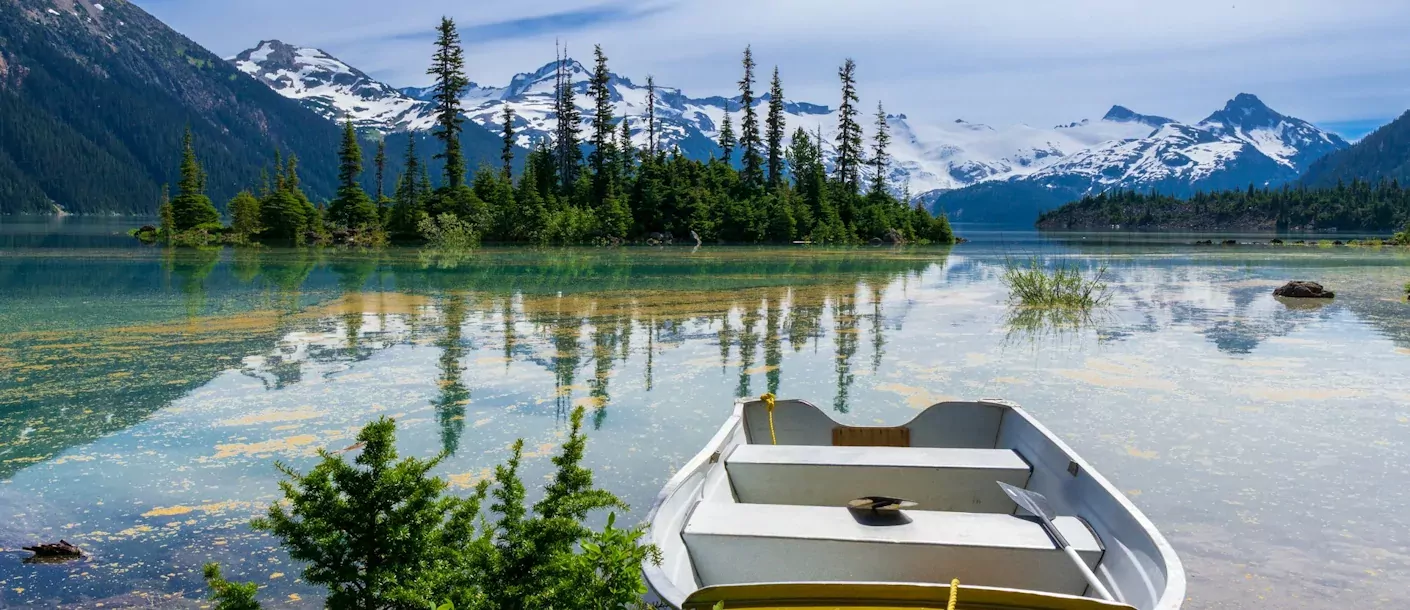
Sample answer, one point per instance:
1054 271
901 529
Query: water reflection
166 391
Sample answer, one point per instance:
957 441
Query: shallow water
144 395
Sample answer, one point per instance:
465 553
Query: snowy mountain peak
1289 141
1245 111
331 87
1122 114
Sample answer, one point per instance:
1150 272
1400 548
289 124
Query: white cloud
1000 61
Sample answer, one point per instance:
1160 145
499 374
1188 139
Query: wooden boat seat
935 478
760 543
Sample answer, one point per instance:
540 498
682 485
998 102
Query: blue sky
1344 64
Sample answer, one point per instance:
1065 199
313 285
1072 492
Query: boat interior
767 502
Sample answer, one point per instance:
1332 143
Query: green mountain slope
1384 154
94 98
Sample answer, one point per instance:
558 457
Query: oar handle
1087 573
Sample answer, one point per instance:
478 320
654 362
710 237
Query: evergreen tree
409 202
448 66
625 148
229 595
651 116
569 121
880 159
602 128
506 154
244 214
380 162
773 131
849 132
351 207
727 140
191 207
167 224
752 174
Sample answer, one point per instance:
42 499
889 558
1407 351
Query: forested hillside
94 99
1354 206
1384 154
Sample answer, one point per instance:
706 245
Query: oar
1035 503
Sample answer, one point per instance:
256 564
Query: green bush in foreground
382 533
1063 286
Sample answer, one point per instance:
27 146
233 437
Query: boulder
1303 290
1230 242
893 237
1205 242
1277 242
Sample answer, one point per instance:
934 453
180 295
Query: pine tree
409 202
602 127
351 207
879 156
166 214
380 162
569 122
752 174
625 148
773 131
448 66
727 141
849 133
506 154
244 214
229 595
191 207
650 116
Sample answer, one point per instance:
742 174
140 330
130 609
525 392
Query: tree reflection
454 395
845 319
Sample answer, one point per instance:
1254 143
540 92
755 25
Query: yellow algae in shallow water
1301 394
467 480
168 511
264 447
541 451
917 398
1402 350
268 417
1118 375
1145 455
375 303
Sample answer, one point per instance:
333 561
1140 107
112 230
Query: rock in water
61 549
1303 290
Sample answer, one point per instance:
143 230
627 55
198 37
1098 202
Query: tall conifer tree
727 140
448 66
506 154
849 132
773 130
650 116
753 165
880 158
191 207
569 123
351 207
602 123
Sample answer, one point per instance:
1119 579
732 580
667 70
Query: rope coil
769 402
954 594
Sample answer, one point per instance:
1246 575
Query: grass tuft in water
1063 286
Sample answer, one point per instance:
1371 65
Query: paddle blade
1030 501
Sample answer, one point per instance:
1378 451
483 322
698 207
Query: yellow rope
769 402
954 594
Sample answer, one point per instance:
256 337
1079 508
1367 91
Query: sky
1342 64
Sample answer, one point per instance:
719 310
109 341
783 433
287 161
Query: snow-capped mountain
1245 142
332 88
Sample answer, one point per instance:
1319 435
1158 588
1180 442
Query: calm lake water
145 394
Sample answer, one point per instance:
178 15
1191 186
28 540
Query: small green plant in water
448 232
1063 286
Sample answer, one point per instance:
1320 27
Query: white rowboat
760 518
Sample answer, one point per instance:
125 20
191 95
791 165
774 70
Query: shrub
1063 286
449 232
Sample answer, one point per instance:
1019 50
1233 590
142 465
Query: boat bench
936 478
755 543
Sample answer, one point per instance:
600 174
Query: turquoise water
144 394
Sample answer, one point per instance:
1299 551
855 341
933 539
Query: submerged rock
55 550
1303 290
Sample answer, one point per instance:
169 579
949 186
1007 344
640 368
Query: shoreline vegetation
600 187
1358 207
379 532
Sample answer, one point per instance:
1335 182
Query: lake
146 394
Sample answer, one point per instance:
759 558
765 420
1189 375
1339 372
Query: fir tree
879 156
849 132
773 130
569 121
351 207
650 116
752 173
244 214
602 123
380 162
506 154
229 595
167 224
727 141
625 148
409 202
448 66
191 208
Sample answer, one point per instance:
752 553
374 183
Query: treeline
1358 206
598 187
